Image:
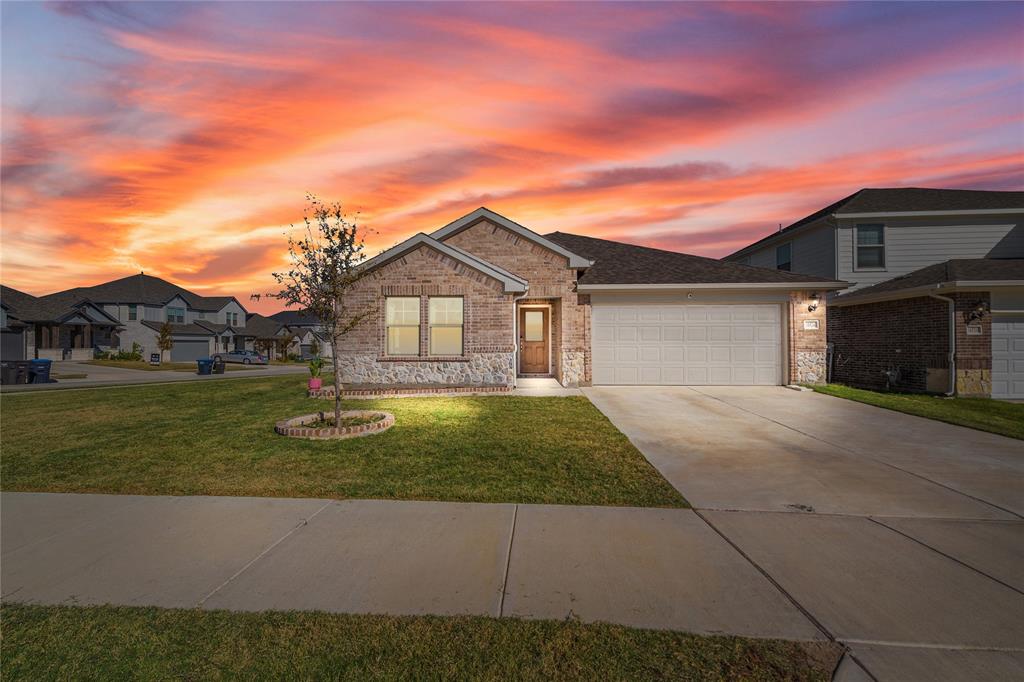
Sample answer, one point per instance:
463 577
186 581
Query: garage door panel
186 351
719 354
687 344
650 354
743 333
720 334
696 355
650 334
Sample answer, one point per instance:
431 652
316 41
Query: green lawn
217 438
996 416
116 643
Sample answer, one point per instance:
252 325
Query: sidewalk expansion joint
303 523
948 556
807 614
508 562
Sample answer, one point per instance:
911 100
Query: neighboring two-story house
936 296
126 313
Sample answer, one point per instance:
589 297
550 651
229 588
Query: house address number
812 324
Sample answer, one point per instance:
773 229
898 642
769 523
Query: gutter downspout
952 341
515 334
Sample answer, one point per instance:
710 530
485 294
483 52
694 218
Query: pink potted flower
315 365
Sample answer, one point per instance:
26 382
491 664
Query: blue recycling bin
205 365
39 371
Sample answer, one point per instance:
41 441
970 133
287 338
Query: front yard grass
109 643
217 438
984 414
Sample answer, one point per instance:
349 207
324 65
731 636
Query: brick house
955 327
485 300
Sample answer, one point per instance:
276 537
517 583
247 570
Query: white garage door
687 344
1007 356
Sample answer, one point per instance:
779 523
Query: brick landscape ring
296 427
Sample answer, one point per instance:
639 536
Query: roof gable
510 282
483 213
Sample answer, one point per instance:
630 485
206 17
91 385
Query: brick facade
424 272
807 357
911 336
551 280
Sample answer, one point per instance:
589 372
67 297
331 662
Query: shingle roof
956 270
260 326
619 263
190 329
45 309
144 289
907 199
904 200
295 317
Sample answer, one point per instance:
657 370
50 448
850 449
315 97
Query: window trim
418 326
857 247
167 315
461 326
133 312
789 263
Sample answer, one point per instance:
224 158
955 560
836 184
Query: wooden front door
533 340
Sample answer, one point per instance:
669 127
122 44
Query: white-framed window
402 320
784 256
133 312
444 316
869 249
176 315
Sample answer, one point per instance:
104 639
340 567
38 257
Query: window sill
423 358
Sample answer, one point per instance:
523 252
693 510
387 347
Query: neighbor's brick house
484 300
897 334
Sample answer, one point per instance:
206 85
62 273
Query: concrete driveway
901 537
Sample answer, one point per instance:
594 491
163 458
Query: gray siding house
875 235
936 297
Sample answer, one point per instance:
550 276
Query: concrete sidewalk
653 568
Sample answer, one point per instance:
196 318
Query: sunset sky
180 138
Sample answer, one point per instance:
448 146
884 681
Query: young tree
324 267
164 340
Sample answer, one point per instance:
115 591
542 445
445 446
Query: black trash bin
205 366
8 372
39 371
21 371
218 366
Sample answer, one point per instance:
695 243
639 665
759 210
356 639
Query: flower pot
315 383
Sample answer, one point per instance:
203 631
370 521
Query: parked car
246 357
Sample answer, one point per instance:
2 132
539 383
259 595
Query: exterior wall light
814 303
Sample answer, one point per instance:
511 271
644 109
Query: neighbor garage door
687 344
1007 356
183 351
